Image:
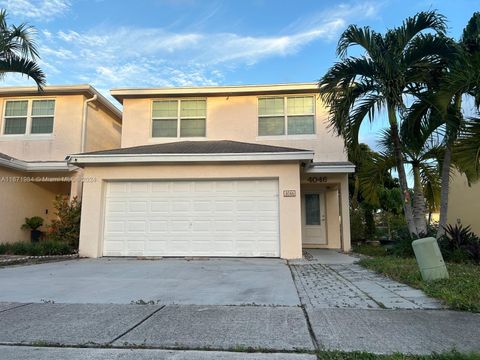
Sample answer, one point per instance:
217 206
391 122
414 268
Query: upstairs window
24 117
292 115
179 118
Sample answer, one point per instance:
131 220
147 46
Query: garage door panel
192 218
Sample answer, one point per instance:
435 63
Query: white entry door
192 218
313 218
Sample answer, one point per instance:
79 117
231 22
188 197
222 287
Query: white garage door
192 218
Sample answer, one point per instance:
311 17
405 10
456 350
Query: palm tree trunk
444 187
419 208
402 177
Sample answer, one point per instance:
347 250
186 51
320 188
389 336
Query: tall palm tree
18 52
393 64
444 99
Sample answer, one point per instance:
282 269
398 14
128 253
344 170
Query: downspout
84 121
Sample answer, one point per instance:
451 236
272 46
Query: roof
196 151
267 89
198 147
81 89
331 167
34 166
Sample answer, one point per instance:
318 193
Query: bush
460 244
32 223
66 228
36 249
403 241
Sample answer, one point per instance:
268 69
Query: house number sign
317 179
289 193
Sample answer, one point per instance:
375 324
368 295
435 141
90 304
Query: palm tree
443 99
393 64
18 51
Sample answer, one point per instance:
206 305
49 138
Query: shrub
66 228
403 241
32 223
460 244
36 249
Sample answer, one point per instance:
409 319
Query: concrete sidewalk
45 353
238 328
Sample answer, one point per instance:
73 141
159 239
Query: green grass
460 292
334 355
41 248
370 250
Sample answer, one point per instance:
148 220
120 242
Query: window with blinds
293 115
179 118
23 117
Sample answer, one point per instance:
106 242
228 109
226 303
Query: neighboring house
37 132
217 171
464 203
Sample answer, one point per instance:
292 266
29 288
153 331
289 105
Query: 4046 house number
317 179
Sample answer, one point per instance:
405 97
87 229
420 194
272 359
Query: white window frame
179 119
285 118
28 125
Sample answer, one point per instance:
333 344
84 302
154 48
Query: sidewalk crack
15 307
136 325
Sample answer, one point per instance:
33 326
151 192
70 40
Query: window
312 209
179 118
28 117
42 116
286 116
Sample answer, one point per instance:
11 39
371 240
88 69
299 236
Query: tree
394 64
18 52
443 100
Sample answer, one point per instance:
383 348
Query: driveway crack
137 324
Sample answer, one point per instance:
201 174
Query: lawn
460 292
333 355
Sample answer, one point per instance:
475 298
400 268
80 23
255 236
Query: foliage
403 241
393 64
340 355
362 223
32 223
461 291
18 51
460 244
370 250
66 228
36 249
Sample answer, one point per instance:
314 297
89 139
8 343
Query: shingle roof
197 147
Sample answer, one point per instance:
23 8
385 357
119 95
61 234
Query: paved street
225 306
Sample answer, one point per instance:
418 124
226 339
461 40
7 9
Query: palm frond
365 37
414 25
24 66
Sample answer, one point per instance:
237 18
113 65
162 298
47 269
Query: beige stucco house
37 132
464 203
217 171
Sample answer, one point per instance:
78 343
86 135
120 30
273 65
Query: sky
154 43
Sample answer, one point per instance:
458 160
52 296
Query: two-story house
217 171
37 131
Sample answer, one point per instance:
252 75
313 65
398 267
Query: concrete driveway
166 281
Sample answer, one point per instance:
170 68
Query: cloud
45 10
109 56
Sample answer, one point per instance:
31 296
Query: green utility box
430 259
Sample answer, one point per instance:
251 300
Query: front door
313 218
